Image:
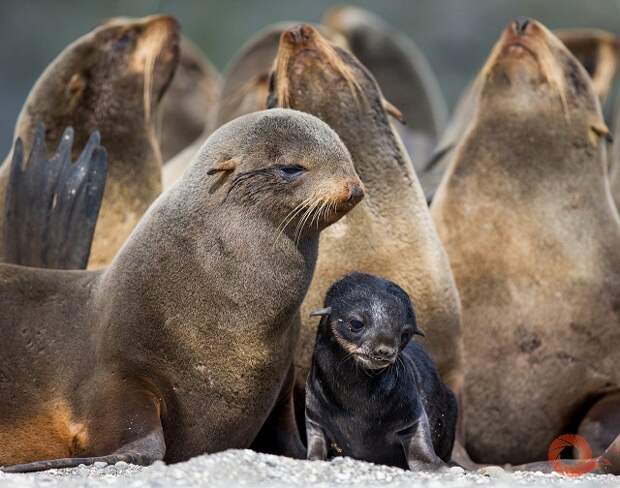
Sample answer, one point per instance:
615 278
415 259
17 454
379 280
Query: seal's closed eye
292 171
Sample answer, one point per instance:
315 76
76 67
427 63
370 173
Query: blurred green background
455 35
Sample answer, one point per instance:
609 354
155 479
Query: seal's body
110 80
189 105
403 73
528 222
372 393
183 345
391 233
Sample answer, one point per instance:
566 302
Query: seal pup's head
369 318
533 80
286 165
111 79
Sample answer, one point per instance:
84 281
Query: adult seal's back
187 338
532 235
110 80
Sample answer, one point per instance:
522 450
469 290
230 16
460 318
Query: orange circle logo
584 463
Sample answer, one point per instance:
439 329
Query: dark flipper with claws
143 452
52 204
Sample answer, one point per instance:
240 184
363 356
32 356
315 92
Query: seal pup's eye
292 171
356 325
404 338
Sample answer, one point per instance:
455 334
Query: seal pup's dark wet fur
372 393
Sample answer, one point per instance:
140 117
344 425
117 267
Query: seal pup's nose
520 25
385 353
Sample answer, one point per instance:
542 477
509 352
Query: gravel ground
249 469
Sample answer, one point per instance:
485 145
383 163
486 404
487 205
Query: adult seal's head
200 303
110 80
372 393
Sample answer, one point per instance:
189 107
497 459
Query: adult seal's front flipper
52 204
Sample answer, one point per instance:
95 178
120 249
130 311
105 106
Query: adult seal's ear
224 167
321 312
597 51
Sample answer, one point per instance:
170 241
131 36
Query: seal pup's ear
321 312
394 111
419 332
224 166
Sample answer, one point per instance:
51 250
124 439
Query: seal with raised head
110 80
595 49
184 345
403 73
373 393
391 233
529 225
189 106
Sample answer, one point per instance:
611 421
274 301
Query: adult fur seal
52 204
110 80
182 346
373 393
595 49
526 217
403 73
393 225
189 106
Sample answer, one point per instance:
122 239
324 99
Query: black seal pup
373 393
184 345
527 219
51 204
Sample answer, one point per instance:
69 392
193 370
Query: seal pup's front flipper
143 452
418 444
52 204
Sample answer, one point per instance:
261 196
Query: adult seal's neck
380 160
504 155
168 262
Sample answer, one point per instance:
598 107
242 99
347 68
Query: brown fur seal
52 204
526 217
110 80
403 73
391 233
182 346
595 49
188 108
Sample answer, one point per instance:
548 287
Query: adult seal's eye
124 41
356 325
293 171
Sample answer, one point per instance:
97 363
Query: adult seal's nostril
299 34
356 193
520 25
